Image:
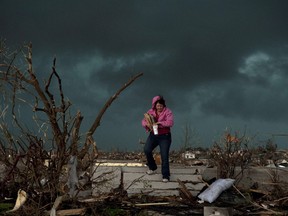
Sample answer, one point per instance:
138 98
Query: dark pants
164 142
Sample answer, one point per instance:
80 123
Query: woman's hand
149 126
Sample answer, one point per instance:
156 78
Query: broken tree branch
109 102
101 113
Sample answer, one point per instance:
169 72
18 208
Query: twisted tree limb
89 139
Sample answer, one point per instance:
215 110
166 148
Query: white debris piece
21 199
72 175
215 189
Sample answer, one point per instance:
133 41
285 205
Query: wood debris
187 194
67 212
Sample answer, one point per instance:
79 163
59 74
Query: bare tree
231 151
190 138
24 152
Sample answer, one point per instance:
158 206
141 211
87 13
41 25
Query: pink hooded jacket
165 119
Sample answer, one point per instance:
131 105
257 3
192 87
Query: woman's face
159 107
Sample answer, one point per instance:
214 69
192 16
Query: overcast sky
219 64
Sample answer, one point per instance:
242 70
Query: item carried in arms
150 120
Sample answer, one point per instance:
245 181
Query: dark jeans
164 142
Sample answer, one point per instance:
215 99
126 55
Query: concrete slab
130 176
135 180
105 179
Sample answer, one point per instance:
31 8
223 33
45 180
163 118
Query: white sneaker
150 172
165 180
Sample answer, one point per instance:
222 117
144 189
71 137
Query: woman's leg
165 143
150 145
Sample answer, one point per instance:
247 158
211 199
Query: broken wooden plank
151 204
185 191
69 212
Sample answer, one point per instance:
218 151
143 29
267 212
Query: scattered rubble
235 199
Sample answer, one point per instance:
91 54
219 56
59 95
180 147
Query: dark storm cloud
208 58
261 93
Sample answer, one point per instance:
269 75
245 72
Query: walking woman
157 121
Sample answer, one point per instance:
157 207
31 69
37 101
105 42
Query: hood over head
155 99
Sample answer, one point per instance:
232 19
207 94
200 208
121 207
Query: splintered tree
37 158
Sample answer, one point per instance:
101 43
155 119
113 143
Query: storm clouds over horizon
219 64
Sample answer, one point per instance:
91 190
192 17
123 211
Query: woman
162 119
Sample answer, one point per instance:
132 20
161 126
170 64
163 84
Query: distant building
189 155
